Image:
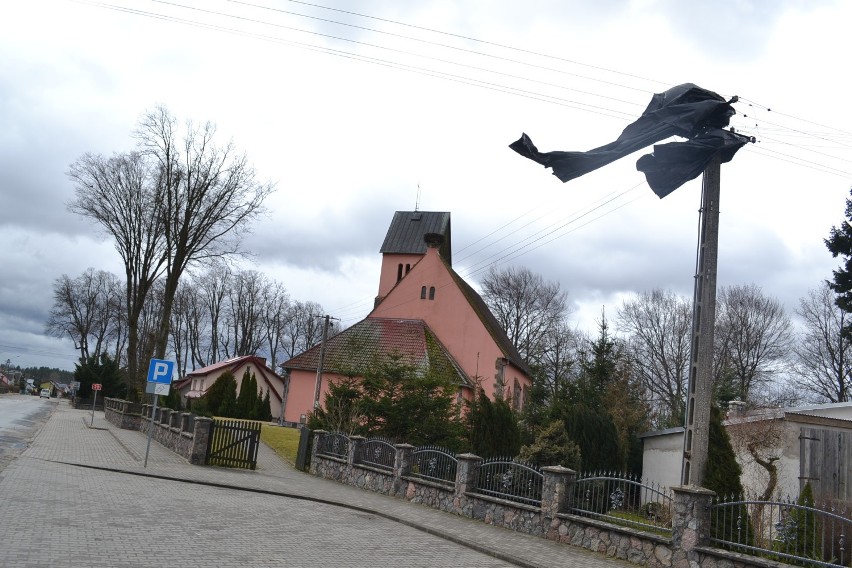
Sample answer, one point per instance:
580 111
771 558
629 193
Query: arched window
407 268
423 293
399 272
432 293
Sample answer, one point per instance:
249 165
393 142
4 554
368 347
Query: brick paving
80 496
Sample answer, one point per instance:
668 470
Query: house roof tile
355 349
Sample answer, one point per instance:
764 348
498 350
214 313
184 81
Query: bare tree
117 193
213 289
245 313
209 197
276 311
824 352
753 339
759 448
86 310
557 365
303 328
181 328
658 324
526 306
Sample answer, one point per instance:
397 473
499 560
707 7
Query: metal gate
233 443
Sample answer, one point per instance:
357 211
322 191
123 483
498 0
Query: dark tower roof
405 235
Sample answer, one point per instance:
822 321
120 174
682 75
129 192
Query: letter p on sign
160 371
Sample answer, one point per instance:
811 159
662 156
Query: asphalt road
21 416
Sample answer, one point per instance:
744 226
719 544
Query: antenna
417 202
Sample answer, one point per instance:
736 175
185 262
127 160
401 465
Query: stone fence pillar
200 439
184 421
556 488
401 466
355 443
690 520
466 473
402 460
318 434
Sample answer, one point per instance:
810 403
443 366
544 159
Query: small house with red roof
426 315
196 383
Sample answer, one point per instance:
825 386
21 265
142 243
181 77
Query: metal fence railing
333 444
376 452
623 499
434 463
805 534
507 479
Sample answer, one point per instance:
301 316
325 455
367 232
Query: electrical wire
527 93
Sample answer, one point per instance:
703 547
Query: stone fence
685 548
182 432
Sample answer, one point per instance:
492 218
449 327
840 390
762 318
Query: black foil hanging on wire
687 111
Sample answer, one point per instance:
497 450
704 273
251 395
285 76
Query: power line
469 38
526 93
447 46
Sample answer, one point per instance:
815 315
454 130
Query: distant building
196 383
425 313
812 444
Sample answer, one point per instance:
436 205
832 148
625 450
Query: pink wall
451 317
300 394
390 269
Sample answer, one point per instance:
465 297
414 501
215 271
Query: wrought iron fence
802 534
376 452
623 499
334 444
510 480
434 463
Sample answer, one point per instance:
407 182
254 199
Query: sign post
95 387
159 382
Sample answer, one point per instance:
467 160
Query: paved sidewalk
72 437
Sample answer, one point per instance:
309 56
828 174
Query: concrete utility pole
321 361
700 390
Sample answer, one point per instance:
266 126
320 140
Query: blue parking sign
160 371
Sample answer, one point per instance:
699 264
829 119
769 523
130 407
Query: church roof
361 346
406 231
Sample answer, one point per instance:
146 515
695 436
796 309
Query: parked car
45 393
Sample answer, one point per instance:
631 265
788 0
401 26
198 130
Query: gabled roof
231 364
405 234
355 349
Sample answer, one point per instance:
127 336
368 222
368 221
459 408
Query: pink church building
426 314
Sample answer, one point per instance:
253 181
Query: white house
806 443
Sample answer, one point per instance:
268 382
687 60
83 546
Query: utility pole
699 393
321 361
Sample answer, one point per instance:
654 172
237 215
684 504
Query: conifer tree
264 411
247 399
552 446
493 427
722 475
839 243
222 396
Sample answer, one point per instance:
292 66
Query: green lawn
285 441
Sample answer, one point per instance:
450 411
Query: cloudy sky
350 106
